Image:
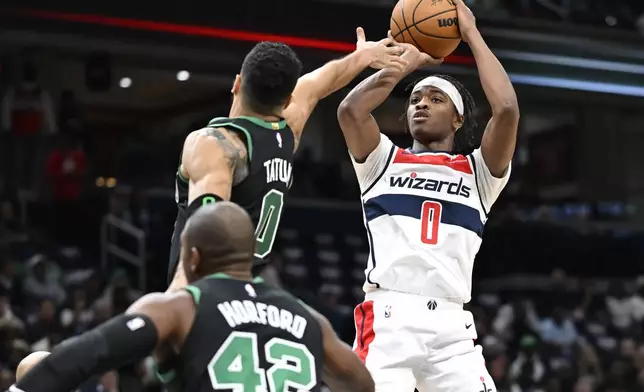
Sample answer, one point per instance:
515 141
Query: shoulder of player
167 302
216 141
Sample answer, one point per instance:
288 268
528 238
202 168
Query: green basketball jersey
262 194
247 337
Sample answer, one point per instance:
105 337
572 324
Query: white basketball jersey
424 214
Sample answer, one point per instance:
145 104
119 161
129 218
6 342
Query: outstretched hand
413 56
381 54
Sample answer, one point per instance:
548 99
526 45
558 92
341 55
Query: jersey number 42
236 365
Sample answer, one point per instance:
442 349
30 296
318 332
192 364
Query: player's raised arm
214 160
360 129
130 337
343 370
334 75
499 139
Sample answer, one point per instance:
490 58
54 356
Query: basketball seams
399 28
402 11
415 24
430 35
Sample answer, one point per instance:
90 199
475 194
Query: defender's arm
334 75
213 160
153 319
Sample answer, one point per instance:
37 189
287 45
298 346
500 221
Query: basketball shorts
409 341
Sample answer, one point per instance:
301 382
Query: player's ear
194 260
236 85
458 122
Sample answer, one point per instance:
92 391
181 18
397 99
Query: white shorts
409 341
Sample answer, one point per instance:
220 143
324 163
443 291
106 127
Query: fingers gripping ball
429 25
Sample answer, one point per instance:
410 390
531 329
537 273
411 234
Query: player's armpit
214 160
374 165
488 185
343 370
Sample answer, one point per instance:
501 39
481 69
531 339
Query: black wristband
202 200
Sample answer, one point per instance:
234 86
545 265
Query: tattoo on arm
235 155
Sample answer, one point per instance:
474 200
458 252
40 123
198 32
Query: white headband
445 86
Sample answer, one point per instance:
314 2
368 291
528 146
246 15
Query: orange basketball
429 25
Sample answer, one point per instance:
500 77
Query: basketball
429 25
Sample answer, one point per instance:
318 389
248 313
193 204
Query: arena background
97 98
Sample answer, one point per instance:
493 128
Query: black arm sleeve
124 339
202 200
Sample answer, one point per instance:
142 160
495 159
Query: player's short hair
465 140
269 74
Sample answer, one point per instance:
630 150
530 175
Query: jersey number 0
236 365
430 219
269 219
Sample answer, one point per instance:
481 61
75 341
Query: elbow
349 109
509 109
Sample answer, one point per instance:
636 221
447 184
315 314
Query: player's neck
442 145
235 273
238 109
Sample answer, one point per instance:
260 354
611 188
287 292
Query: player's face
431 116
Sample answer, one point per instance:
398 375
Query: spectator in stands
18 349
9 331
66 168
27 112
588 364
620 307
559 330
7 378
619 378
516 319
527 371
585 384
6 313
637 302
119 294
77 318
41 283
43 327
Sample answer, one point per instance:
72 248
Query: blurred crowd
567 335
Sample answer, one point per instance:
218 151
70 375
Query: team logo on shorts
387 311
431 305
